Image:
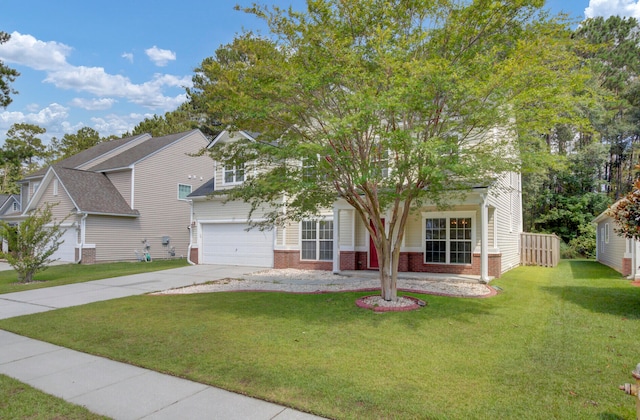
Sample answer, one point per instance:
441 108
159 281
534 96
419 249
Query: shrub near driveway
57 275
555 344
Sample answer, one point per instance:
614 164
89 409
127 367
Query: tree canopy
7 76
390 102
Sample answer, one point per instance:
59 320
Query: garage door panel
67 250
231 243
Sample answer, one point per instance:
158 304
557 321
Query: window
606 233
309 169
448 240
55 187
234 174
15 206
317 240
183 191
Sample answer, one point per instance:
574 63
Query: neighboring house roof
204 190
92 192
6 201
139 152
90 154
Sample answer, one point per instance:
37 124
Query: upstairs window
183 191
234 174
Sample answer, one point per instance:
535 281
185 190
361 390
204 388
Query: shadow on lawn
618 301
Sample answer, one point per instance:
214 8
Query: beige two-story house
122 198
478 235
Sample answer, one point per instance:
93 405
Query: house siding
156 180
611 252
116 238
122 181
64 206
507 214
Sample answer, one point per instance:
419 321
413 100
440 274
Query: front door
373 254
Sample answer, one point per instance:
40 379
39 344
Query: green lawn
58 275
20 401
556 343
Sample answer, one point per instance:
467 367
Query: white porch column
336 240
484 240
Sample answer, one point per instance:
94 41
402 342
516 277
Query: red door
373 254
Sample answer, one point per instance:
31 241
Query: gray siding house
122 197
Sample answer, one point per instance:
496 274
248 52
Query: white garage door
67 251
230 243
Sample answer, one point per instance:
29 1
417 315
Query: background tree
184 118
21 153
7 76
356 87
32 242
23 145
71 144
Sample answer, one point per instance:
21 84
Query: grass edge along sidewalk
21 401
555 343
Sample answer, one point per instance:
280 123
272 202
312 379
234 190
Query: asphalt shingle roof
205 189
89 154
139 152
93 192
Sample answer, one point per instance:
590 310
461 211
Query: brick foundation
626 267
88 255
291 259
193 255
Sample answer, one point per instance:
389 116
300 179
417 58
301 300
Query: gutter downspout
190 234
484 240
82 231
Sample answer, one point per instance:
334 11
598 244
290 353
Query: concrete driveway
49 298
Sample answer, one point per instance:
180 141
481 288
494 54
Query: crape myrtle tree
32 242
384 104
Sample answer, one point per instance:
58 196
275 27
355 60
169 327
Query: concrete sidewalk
115 389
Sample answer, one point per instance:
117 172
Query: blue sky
109 64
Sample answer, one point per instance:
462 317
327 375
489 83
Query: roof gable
87 156
90 192
143 151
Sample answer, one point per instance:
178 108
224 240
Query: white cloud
128 56
118 124
96 81
606 8
53 118
159 56
93 104
40 55
51 57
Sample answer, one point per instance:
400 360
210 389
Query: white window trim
55 187
448 216
317 222
184 185
234 170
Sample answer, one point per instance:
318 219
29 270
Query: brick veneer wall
88 255
291 259
626 267
409 262
193 255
